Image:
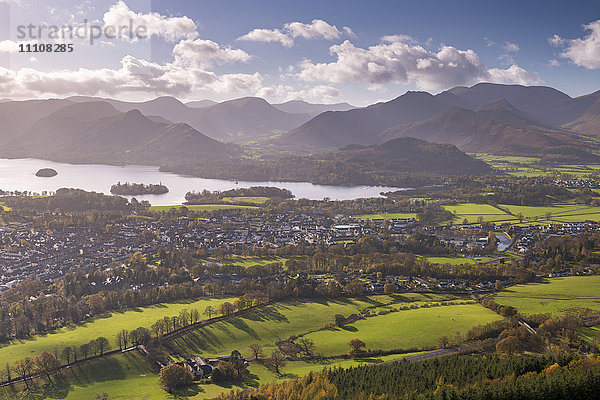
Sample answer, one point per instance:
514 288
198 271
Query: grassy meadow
129 376
522 215
532 167
415 328
402 329
202 207
246 199
107 325
554 296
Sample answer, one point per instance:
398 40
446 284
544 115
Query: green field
510 214
590 334
404 329
247 261
266 326
128 376
554 296
107 326
531 167
385 216
123 376
246 199
202 207
285 319
451 260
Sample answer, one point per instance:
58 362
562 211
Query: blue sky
321 51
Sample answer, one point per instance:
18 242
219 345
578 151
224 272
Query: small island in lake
136 189
46 173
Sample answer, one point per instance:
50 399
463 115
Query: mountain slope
236 120
302 107
410 155
201 103
400 162
535 101
17 116
496 130
339 128
583 114
97 132
244 119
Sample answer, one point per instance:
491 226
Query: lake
19 174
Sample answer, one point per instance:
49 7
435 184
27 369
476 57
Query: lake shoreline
19 174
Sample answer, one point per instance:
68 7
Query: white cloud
169 28
400 62
268 35
488 42
584 52
320 93
553 63
317 29
134 76
513 74
556 41
507 59
201 53
399 38
511 47
8 46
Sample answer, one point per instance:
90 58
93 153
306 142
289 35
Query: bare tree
256 351
307 346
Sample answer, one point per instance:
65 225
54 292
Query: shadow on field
196 341
243 326
58 389
267 314
187 392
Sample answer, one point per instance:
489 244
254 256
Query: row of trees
48 363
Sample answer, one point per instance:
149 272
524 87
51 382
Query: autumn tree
498 285
509 345
226 308
173 376
24 368
256 351
307 346
123 339
66 354
102 344
209 312
443 342
355 288
276 362
357 347
47 363
389 288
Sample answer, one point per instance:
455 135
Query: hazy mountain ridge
235 120
483 118
98 132
399 162
362 125
302 107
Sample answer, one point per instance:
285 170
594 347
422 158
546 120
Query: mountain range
508 119
488 118
237 120
96 132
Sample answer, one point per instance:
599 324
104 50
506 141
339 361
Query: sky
323 51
